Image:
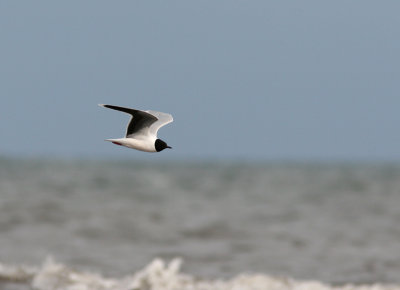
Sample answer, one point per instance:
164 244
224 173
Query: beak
169 147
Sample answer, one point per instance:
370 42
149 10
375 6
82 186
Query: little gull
141 133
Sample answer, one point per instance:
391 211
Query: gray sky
304 80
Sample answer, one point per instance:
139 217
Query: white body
141 133
138 144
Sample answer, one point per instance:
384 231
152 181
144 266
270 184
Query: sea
125 225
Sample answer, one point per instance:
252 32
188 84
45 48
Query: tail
114 141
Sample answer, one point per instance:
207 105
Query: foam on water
158 275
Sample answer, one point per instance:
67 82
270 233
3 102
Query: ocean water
199 225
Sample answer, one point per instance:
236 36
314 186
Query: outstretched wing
162 120
140 123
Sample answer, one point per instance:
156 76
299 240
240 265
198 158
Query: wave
158 275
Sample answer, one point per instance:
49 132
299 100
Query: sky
244 80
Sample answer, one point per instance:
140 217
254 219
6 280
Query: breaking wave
156 276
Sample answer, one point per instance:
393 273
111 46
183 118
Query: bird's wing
140 122
162 120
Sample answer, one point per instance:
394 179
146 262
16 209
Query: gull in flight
141 133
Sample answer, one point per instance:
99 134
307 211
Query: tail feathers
114 141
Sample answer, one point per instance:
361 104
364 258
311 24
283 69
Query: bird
141 133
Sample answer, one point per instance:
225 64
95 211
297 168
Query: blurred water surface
336 223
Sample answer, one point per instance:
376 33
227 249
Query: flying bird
141 133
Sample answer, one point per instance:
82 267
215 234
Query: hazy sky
243 79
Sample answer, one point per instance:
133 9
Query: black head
160 145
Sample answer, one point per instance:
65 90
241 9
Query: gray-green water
333 223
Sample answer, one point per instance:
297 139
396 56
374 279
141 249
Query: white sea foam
158 275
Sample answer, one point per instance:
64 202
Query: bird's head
161 145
